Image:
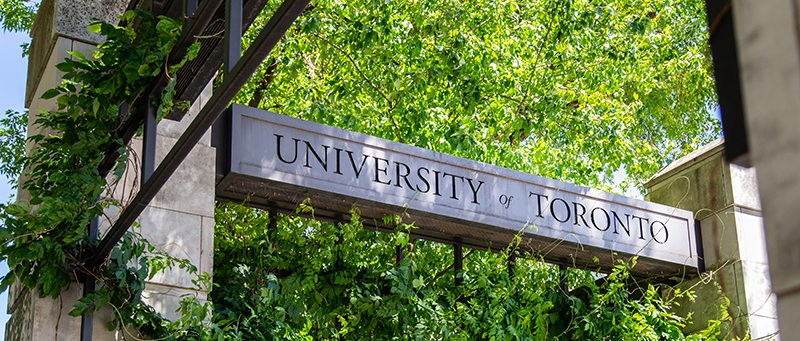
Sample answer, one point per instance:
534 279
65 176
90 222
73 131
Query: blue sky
12 96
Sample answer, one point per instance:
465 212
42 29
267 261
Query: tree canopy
571 90
17 15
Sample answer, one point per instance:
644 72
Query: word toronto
563 211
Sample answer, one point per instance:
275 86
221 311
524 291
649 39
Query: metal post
233 34
563 278
88 288
701 260
399 253
273 219
512 263
458 265
189 7
149 142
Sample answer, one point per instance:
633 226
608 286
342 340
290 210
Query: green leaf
50 93
95 27
77 53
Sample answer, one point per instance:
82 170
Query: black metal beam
721 39
197 24
273 31
149 142
233 34
458 262
512 263
273 219
398 253
563 280
189 7
698 239
88 287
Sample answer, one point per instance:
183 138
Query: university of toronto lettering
423 180
429 181
308 159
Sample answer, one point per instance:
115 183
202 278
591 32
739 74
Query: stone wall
725 200
179 220
767 35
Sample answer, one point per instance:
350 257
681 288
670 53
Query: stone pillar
179 220
725 200
768 49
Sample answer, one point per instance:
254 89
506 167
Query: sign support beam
281 21
149 137
458 263
200 20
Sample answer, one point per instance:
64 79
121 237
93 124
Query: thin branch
448 268
391 105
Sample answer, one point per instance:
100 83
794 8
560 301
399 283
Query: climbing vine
305 279
45 237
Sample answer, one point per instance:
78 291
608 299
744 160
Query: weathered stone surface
745 188
174 129
191 188
165 299
769 61
725 199
177 233
720 238
788 307
20 306
49 319
74 16
68 19
695 182
207 246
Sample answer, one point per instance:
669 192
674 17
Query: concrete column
768 46
180 219
725 200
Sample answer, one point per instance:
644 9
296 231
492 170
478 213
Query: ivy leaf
50 93
95 27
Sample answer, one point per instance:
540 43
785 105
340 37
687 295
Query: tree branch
391 105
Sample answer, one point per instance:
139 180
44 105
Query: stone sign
278 161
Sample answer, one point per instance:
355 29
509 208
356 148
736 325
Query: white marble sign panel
344 163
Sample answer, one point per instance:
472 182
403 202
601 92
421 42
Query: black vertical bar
458 263
562 270
87 320
399 251
261 47
722 41
189 7
512 263
338 221
149 142
273 219
698 239
233 34
93 228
